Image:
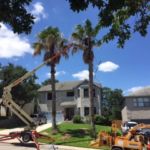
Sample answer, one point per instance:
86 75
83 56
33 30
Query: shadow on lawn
73 141
80 133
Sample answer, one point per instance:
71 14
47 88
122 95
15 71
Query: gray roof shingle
142 92
64 86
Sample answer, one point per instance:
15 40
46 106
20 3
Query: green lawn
75 134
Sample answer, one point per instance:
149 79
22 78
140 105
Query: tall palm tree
51 42
84 38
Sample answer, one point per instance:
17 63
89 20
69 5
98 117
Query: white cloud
38 11
82 75
134 89
108 66
11 44
58 73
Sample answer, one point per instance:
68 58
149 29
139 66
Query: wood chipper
137 138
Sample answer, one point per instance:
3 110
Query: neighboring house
137 106
71 98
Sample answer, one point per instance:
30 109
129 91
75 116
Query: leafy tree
24 92
48 81
14 13
51 42
112 103
85 39
115 15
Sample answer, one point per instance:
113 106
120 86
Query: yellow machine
105 138
133 140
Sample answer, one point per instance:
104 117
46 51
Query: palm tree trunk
54 126
91 98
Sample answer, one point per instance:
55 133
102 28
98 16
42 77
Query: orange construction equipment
103 139
135 139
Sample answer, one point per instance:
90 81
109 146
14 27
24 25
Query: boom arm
7 97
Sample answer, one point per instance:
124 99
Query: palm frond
88 28
74 49
50 42
80 31
96 30
76 36
37 48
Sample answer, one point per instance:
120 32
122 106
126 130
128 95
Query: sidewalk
7 146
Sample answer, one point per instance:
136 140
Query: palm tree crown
51 41
84 38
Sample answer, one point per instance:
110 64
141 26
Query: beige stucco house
71 98
137 106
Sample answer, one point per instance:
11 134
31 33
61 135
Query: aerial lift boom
9 102
29 134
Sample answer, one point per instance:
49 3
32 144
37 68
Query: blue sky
126 68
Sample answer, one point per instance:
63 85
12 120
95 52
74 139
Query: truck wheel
26 137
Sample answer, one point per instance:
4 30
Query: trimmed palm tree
51 42
84 38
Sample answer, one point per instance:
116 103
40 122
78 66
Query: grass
75 134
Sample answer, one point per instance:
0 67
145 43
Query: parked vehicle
127 125
39 118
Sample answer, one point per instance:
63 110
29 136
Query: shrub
77 119
100 120
87 119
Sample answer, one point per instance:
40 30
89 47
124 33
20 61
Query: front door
69 113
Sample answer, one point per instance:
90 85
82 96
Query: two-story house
71 98
137 106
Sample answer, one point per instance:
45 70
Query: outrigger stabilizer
26 136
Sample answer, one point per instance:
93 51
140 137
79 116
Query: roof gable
64 86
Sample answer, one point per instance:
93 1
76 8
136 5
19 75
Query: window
135 102
70 94
86 92
141 102
78 92
86 111
146 102
49 96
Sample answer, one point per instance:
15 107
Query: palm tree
51 42
84 38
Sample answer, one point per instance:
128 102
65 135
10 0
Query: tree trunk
91 98
54 126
